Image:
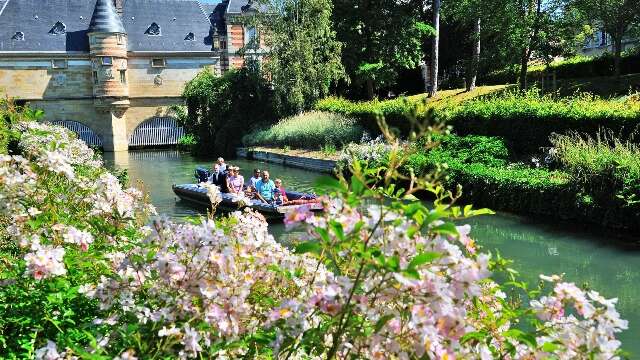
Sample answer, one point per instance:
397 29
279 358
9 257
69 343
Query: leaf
393 263
550 347
328 184
308 247
446 229
521 336
475 335
337 229
411 274
422 259
357 187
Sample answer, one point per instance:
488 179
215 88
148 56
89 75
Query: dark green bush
10 114
220 110
526 121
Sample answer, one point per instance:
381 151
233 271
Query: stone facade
113 65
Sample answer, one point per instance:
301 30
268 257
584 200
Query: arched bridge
153 132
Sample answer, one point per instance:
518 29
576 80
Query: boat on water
197 195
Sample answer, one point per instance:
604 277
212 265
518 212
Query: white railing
84 132
156 132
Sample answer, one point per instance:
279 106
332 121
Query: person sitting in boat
222 164
265 187
304 199
279 193
255 178
219 178
235 181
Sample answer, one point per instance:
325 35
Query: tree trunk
435 50
475 59
617 53
426 80
370 89
526 53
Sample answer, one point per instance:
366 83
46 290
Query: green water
535 246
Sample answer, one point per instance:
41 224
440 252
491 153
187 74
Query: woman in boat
305 199
235 181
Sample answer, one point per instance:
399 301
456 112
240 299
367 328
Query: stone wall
319 165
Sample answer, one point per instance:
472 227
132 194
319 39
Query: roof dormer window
153 30
58 29
190 37
18 36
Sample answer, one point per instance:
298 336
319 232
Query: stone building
111 69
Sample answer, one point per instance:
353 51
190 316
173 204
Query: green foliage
604 169
304 55
312 130
572 68
187 142
221 109
11 114
367 113
526 121
380 38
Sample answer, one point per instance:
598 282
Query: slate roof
237 7
105 19
35 18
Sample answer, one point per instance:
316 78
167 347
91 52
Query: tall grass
310 130
602 165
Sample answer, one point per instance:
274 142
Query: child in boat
279 193
305 199
235 181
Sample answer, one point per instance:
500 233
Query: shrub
395 112
10 114
311 130
605 170
526 121
220 109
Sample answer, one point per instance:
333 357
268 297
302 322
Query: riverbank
302 159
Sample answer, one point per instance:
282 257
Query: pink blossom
45 262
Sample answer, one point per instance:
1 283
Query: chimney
119 4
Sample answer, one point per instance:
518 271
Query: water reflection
536 247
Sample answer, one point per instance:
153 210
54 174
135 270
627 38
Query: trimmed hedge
481 166
395 112
527 121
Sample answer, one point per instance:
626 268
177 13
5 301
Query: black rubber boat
197 195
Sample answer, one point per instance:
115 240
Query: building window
106 61
153 30
123 76
158 63
58 29
250 35
59 63
120 39
95 77
190 37
19 36
223 44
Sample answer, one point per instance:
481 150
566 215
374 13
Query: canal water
535 246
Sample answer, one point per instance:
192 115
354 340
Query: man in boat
265 187
222 165
219 178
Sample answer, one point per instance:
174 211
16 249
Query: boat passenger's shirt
280 195
266 189
254 180
219 179
223 168
236 183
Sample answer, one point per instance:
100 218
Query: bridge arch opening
157 131
85 133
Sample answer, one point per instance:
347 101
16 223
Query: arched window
153 30
58 29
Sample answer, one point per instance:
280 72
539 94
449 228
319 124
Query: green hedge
481 166
311 130
572 68
526 121
395 112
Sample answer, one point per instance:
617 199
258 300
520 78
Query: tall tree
380 38
435 48
531 13
615 17
303 59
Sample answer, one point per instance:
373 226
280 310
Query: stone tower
108 51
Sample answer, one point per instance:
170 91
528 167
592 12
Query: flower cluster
373 151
